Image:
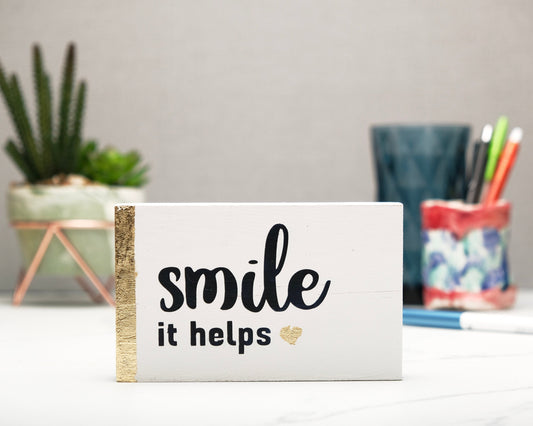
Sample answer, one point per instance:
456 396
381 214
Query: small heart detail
290 335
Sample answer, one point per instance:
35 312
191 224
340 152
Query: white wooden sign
262 291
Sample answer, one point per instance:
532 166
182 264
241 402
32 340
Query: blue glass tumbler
414 163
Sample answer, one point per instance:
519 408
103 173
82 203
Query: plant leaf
44 111
138 178
9 99
75 136
26 133
64 108
20 161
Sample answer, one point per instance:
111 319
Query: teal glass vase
414 163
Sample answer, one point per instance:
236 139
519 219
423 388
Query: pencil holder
465 255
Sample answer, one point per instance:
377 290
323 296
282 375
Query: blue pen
468 320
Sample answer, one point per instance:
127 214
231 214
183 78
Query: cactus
49 152
43 152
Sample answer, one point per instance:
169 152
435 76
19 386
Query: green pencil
495 147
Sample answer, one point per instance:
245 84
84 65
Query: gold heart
290 335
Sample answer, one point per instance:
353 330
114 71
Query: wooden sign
267 291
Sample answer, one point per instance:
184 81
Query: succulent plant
51 148
112 167
55 148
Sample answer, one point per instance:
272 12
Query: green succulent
112 167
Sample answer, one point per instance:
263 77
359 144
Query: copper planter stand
56 228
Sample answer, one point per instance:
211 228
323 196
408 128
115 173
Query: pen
468 321
480 161
505 165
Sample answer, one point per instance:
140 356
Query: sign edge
125 320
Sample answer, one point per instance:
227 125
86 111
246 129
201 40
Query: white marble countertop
58 367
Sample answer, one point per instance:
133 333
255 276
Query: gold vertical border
126 321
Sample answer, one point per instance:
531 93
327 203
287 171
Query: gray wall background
272 100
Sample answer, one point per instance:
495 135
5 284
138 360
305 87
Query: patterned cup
465 255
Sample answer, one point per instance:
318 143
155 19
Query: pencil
495 149
507 159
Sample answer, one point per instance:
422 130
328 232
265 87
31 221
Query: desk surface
58 367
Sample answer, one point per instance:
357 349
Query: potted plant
65 176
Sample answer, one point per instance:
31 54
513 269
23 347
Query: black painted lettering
197 330
171 330
272 267
264 336
161 334
216 336
296 288
177 295
192 278
246 337
231 341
